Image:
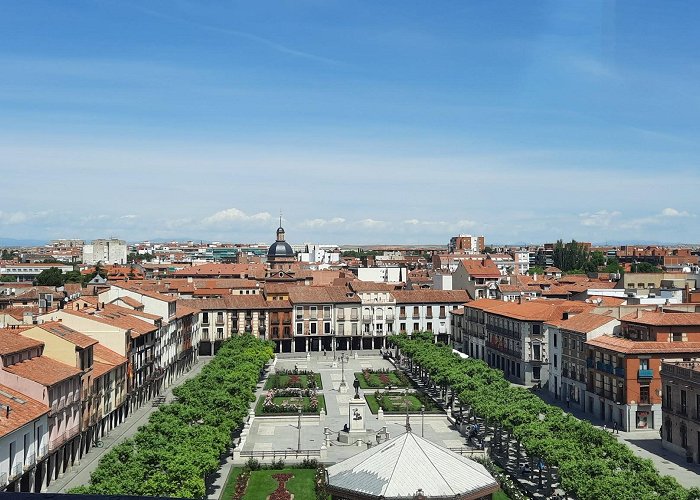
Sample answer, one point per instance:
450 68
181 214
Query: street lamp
343 359
422 421
299 433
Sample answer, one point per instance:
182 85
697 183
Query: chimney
639 313
7 414
534 277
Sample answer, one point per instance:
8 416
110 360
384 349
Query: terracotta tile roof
457 312
18 312
117 320
228 283
516 288
233 302
60 330
622 345
582 323
481 268
530 310
208 292
371 286
552 269
147 293
603 301
43 370
107 356
99 369
658 318
131 312
130 302
431 296
12 342
23 410
220 270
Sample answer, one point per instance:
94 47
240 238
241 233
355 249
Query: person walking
616 429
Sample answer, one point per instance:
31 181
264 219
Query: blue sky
364 122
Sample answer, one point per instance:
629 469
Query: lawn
382 380
395 402
304 401
261 484
499 495
284 380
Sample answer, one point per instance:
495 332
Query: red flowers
281 492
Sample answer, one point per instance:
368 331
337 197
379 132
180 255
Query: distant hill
11 242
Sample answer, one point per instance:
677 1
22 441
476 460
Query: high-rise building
111 251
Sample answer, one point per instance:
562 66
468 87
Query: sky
361 122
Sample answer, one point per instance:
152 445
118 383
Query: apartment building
479 278
24 441
427 310
54 385
624 381
111 251
567 337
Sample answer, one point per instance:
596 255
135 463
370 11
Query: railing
17 470
43 451
274 454
402 316
219 321
684 370
645 373
29 461
353 317
366 318
3 479
644 401
286 320
390 317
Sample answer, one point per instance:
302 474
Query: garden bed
284 380
258 484
395 402
382 379
288 402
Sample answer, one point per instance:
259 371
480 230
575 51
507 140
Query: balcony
16 470
3 479
43 451
219 321
30 461
287 320
645 373
366 318
402 316
353 317
389 317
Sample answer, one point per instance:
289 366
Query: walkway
80 474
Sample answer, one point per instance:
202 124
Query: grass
261 400
262 484
376 383
396 404
281 381
499 495
230 486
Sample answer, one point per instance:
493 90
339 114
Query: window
299 312
536 351
415 327
327 328
643 364
219 333
668 399
219 318
415 311
684 402
314 312
326 312
205 318
402 327
555 361
354 329
402 311
554 338
429 326
313 328
341 329
536 372
300 328
677 337
535 329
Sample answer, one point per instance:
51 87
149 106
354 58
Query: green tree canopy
50 277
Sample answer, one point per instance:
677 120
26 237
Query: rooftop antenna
280 218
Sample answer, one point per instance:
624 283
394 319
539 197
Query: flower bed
289 401
382 379
285 379
395 402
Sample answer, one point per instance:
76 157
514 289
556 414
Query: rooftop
43 370
23 410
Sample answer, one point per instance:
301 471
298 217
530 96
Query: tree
73 277
613 266
645 267
7 255
572 255
7 279
536 270
50 277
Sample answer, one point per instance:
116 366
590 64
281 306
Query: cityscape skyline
364 125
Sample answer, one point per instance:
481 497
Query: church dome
280 249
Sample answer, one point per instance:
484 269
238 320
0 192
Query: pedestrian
615 428
605 427
568 401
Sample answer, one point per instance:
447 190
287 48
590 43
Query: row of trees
183 441
590 462
55 277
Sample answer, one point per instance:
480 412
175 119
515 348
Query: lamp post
343 359
408 420
422 421
299 433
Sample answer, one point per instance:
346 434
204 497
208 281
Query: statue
356 415
356 385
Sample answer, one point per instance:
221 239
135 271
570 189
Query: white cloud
601 218
128 216
672 212
371 223
318 223
235 215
